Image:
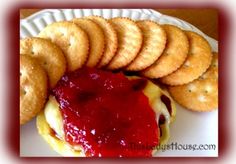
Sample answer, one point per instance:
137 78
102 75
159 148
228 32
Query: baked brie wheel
50 121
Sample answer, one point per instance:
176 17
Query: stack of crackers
182 60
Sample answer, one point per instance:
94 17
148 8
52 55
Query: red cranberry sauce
106 113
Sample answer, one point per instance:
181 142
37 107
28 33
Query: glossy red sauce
106 113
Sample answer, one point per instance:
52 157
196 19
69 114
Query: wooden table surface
204 19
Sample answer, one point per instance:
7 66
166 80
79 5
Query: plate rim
154 13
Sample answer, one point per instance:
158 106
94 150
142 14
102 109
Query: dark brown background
204 19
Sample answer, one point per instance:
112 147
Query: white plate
188 128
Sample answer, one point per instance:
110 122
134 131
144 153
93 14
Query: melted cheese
54 117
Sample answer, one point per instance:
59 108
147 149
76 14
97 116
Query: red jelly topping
106 113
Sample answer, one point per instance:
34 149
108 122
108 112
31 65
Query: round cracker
48 55
129 42
33 88
96 40
202 94
173 56
154 40
71 39
198 60
111 40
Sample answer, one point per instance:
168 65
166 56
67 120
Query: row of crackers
180 59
